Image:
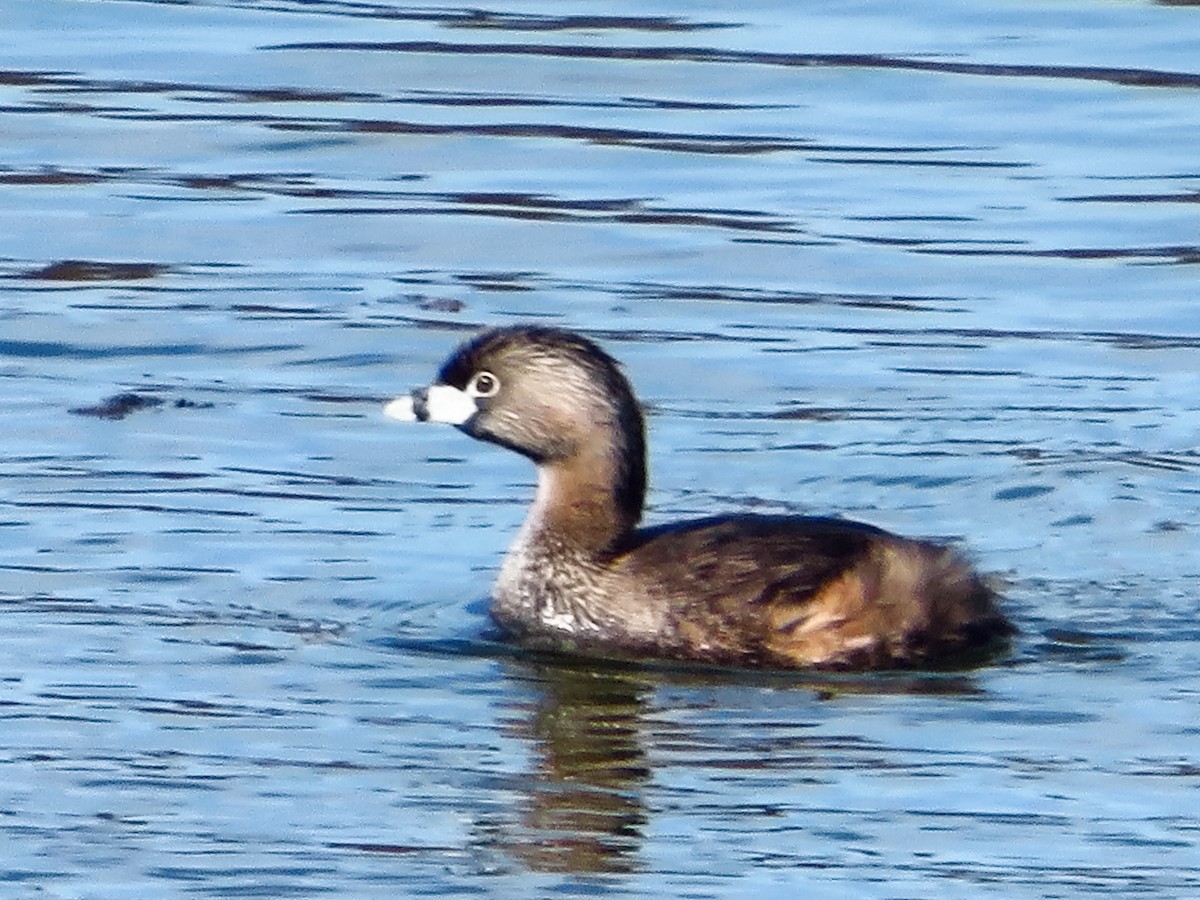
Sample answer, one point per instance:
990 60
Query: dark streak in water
644 139
1182 254
1114 75
44 349
118 406
729 293
54 349
473 18
93 270
193 92
646 291
400 849
955 373
648 140
652 140
137 507
1175 462
70 82
948 163
540 208
1183 197
1130 340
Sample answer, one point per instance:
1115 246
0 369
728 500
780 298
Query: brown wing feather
811 593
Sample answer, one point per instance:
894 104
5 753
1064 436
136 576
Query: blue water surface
930 265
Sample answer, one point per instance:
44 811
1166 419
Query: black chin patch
420 404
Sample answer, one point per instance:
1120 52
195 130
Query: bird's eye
484 384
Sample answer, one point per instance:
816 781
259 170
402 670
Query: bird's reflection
583 809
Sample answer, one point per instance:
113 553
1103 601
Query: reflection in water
583 808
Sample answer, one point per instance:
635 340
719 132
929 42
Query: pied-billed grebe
747 590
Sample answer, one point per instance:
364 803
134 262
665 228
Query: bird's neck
590 500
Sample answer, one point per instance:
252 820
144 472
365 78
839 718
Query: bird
736 590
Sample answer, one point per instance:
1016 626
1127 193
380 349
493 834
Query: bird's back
808 593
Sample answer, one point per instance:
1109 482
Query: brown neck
586 501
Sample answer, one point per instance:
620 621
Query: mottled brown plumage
778 591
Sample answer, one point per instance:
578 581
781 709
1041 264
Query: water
931 265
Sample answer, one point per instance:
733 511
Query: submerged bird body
776 591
